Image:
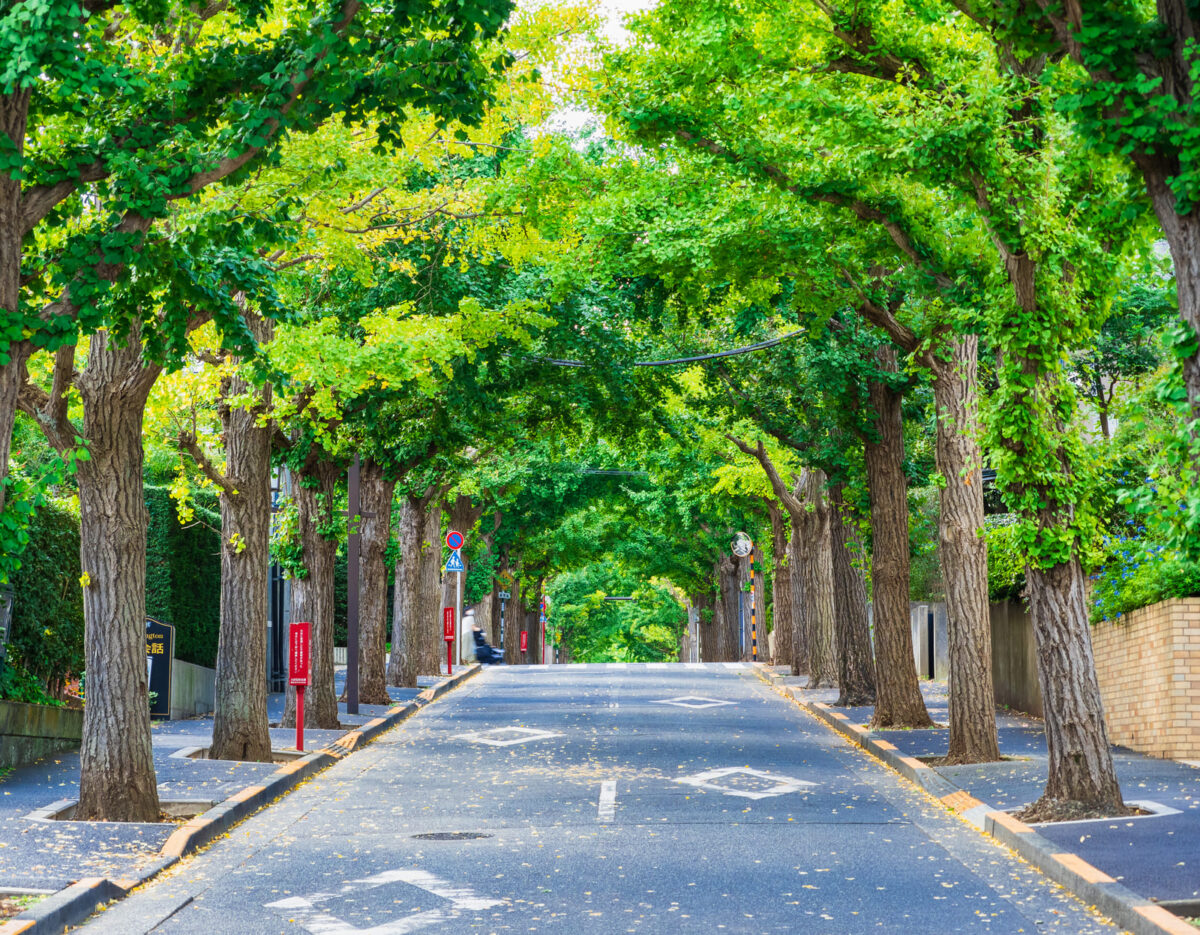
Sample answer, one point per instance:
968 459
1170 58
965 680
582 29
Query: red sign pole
448 636
299 636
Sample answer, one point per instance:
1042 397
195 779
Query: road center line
608 800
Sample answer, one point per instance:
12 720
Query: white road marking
771 784
305 911
503 736
608 800
693 701
734 665
658 665
695 665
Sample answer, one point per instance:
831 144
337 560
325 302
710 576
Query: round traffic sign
742 545
454 540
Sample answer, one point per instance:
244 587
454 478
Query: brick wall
1148 663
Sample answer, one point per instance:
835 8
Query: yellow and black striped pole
753 622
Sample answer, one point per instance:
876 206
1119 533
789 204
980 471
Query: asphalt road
592 800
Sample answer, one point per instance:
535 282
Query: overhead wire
749 348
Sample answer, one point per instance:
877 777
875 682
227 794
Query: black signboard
160 651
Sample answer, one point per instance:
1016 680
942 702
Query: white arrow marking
608 800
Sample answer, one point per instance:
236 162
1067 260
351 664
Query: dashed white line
608 800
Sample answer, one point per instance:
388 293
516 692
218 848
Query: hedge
183 573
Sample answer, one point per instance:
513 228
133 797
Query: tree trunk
240 728
429 597
856 665
704 604
14 114
1182 232
963 553
818 583
402 666
117 779
781 586
729 615
1080 767
796 558
898 695
514 619
313 595
374 533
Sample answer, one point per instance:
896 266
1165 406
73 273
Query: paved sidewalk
49 855
1156 856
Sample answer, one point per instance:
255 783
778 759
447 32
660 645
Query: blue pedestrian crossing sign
456 562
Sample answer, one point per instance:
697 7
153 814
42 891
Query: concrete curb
73 904
1126 908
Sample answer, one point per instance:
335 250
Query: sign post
743 545
448 636
299 638
504 596
454 541
160 653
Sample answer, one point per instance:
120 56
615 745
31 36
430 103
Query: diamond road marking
503 736
693 701
778 785
305 911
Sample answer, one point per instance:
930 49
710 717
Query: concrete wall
919 615
1148 664
31 731
193 690
1014 659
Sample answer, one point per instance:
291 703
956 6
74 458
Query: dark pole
352 551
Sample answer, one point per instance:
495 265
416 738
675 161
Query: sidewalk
1156 856
38 854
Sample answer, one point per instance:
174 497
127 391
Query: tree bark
429 600
240 724
313 595
117 779
374 532
404 664
1080 767
781 585
963 553
856 664
898 695
728 616
514 619
800 605
14 115
704 604
817 569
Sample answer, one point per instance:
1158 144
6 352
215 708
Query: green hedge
47 631
183 573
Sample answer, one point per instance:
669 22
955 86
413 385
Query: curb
73 904
1133 913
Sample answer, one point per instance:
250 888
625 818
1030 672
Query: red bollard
448 636
299 635
300 718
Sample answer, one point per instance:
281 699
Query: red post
300 718
448 636
299 659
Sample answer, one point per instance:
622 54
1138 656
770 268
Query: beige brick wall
1148 663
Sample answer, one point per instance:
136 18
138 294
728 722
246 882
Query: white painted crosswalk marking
306 911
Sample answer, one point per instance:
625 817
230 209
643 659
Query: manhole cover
451 836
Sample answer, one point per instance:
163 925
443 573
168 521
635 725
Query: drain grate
451 836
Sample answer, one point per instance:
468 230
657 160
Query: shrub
1006 565
1139 573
